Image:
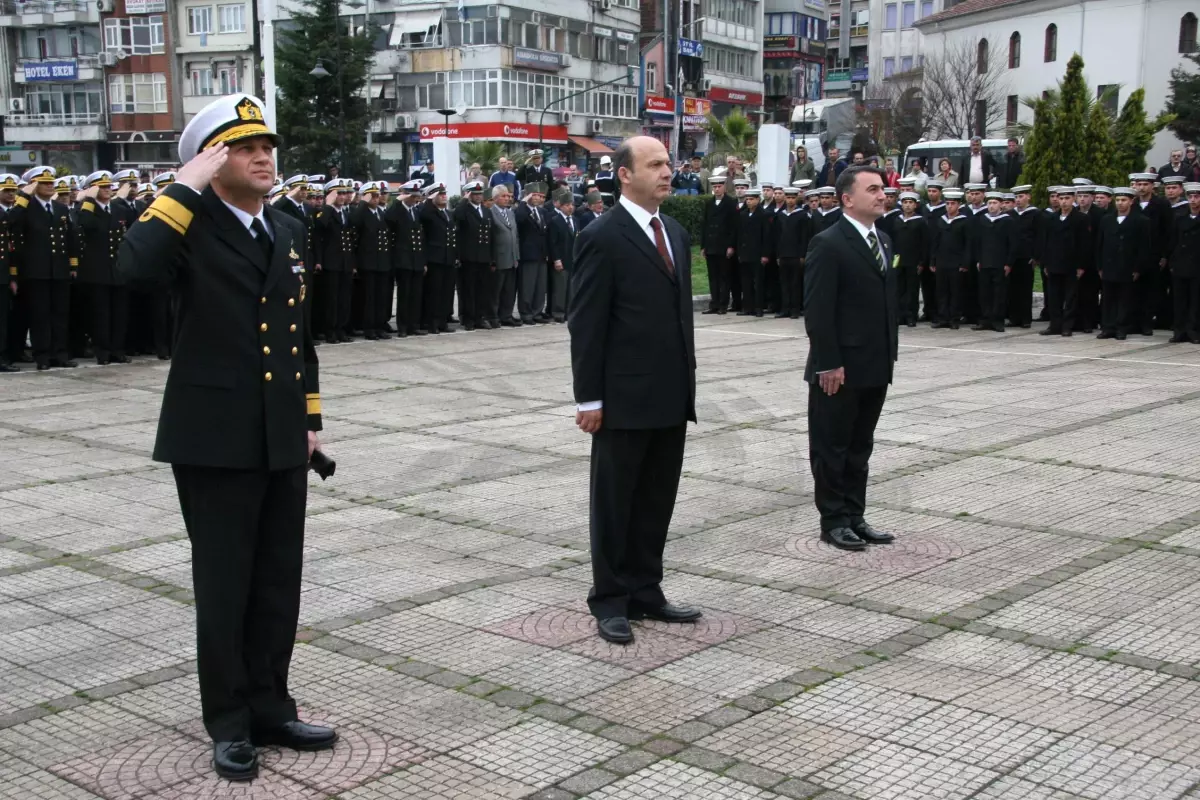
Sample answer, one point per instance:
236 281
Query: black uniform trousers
841 436
635 477
929 294
753 294
718 280
1087 301
335 289
49 318
970 296
246 528
485 303
18 323
949 295
791 286
109 320
408 300
1020 294
437 295
377 301
360 310
908 290
80 323
771 289
7 301
1116 313
993 297
504 294
1146 304
472 305
1061 292
735 285
1185 294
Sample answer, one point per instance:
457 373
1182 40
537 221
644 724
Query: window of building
1050 51
139 36
229 79
140 93
926 8
202 81
889 17
42 43
1014 50
1187 33
523 90
232 18
1010 111
908 14
1107 95
79 102
906 63
199 20
981 57
651 77
980 118
889 67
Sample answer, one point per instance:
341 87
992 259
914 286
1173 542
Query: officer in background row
102 226
408 257
9 184
239 419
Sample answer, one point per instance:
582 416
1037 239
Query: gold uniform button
263 301
263 327
266 351
295 350
292 329
297 376
267 376
291 301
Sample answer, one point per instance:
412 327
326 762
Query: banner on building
500 131
145 6
51 71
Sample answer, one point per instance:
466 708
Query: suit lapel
280 256
859 244
639 239
233 232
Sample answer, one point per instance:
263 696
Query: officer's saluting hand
239 420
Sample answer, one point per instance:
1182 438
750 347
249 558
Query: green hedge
688 211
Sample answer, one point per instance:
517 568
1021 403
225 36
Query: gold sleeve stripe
74 262
12 271
314 403
153 213
88 205
173 210
22 201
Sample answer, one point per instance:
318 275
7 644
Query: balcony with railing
24 127
40 13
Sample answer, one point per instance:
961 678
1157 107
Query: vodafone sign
516 131
721 95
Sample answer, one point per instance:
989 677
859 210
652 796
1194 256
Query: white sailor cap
1080 182
1191 188
435 189
827 190
791 191
935 184
276 191
369 187
1008 196
1173 179
1024 188
318 188
755 192
10 181
1143 176
144 189
1085 188
126 176
1102 190
225 120
953 194
741 181
535 153
316 179
38 175
717 179
606 161
295 180
916 198
412 186
473 187
1053 189
803 183
102 178
994 196
346 186
889 191
811 193
353 184
975 187
164 179
1065 190
1123 191
333 185
766 185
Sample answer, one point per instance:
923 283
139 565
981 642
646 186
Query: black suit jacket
531 232
850 307
987 162
333 248
1123 248
101 232
243 387
632 342
373 252
560 241
45 245
407 236
440 235
718 226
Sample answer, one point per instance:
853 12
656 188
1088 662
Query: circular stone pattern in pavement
551 627
908 550
358 756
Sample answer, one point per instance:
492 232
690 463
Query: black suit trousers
1186 297
1117 307
504 294
376 301
246 528
1061 289
908 291
437 296
1020 294
753 289
993 296
49 318
408 300
635 477
949 295
841 436
472 306
110 320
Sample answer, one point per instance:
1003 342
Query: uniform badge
303 291
292 254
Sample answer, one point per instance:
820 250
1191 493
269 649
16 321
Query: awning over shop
590 144
412 22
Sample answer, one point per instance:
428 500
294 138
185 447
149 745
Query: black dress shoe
979 327
59 362
670 613
709 311
615 630
1120 337
1106 335
235 761
122 359
9 368
843 539
871 536
370 337
103 362
387 328
418 332
297 735
1049 332
43 367
1068 333
1178 338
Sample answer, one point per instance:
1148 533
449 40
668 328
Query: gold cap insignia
248 111
292 254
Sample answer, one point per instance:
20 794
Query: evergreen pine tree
1184 101
1040 168
307 106
1134 135
1101 149
1070 140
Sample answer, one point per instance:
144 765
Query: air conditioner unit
108 59
707 84
405 121
104 6
16 105
597 126
605 5
564 59
535 17
564 117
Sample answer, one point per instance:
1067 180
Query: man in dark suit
374 259
441 259
474 237
407 236
560 242
718 229
851 317
977 166
531 272
239 420
586 214
633 358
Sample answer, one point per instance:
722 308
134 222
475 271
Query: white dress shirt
248 219
976 175
642 217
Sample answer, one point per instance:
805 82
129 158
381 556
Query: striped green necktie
873 240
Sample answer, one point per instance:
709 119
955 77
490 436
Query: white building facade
894 42
1125 43
214 51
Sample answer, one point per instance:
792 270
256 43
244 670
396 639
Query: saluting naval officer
239 419
103 228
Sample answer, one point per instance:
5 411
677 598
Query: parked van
930 153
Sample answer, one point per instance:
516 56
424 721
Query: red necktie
660 241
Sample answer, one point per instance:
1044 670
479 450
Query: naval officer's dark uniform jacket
474 237
441 257
241 396
333 251
408 264
46 255
102 229
374 259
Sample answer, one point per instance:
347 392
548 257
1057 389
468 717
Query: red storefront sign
720 94
504 131
696 106
660 105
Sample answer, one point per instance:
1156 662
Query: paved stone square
1031 635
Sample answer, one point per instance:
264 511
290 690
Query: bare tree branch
961 81
894 111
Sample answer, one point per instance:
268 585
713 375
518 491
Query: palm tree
486 154
735 136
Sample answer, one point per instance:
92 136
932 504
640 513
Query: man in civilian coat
851 318
506 249
560 242
718 228
633 358
977 166
531 273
